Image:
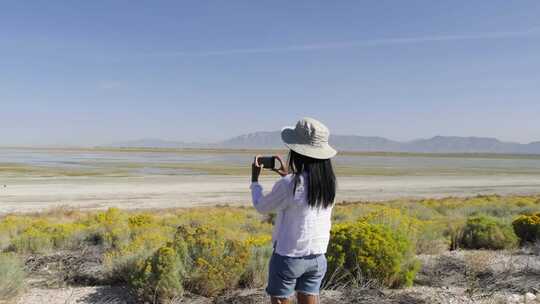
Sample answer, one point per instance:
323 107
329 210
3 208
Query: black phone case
267 162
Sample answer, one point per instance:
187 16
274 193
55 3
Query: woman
303 202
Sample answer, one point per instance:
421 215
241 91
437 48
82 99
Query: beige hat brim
291 140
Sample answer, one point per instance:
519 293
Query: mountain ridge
435 144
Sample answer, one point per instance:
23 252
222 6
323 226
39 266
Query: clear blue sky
93 72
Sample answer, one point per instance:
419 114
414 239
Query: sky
97 72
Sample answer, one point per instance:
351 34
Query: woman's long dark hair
319 178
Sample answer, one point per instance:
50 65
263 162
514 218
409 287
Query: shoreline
24 195
254 151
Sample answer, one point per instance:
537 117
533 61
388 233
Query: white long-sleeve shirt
299 230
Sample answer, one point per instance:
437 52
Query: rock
514 298
530 297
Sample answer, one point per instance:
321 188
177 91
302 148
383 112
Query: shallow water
151 163
158 180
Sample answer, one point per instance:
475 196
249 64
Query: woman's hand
282 171
255 169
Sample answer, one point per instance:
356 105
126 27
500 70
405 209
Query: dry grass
11 277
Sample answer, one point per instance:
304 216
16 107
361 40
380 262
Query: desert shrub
31 240
199 258
67 235
11 278
256 271
395 220
122 265
424 236
430 239
214 263
527 227
419 211
484 232
140 220
11 225
41 235
109 228
4 242
160 277
495 205
454 232
374 250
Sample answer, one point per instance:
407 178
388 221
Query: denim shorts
290 274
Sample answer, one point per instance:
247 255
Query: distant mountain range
156 143
437 144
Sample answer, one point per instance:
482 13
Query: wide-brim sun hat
310 138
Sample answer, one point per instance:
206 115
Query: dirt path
72 295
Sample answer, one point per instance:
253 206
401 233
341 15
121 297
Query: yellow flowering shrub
426 236
238 223
32 240
394 219
140 220
120 264
160 277
214 262
527 227
110 228
12 224
10 227
372 252
67 235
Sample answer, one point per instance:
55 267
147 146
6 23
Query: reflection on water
151 163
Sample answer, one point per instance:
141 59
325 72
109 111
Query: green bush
199 258
214 263
11 276
121 266
527 227
160 277
371 251
484 232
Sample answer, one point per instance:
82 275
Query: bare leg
307 299
280 300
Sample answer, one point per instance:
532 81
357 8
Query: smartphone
268 162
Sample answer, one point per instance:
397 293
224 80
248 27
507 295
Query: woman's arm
273 200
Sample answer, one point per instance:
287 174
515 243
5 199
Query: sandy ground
38 194
455 277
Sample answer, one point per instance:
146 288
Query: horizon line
209 144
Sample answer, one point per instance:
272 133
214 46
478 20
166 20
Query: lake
182 162
38 179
